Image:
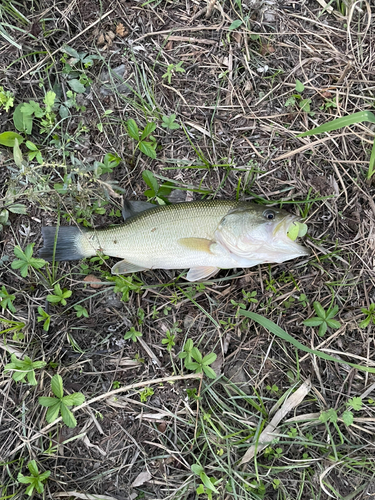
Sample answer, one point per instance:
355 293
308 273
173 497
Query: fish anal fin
198 244
201 272
125 267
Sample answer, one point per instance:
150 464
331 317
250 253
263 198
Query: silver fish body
203 235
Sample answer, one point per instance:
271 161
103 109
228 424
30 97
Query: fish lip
284 225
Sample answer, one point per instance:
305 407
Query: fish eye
269 214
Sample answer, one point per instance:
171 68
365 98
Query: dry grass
237 137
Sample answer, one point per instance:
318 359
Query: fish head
254 232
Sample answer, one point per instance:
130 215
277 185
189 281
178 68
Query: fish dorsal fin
130 208
198 273
125 267
199 244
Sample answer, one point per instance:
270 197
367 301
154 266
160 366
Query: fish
203 236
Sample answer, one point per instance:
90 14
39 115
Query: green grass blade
345 121
8 38
279 332
371 167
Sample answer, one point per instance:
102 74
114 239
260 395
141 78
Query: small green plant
6 300
276 484
169 122
109 163
324 319
14 327
167 310
192 394
304 104
331 415
192 290
169 340
25 113
140 315
132 334
302 299
60 296
6 99
81 311
370 316
186 353
208 483
292 432
116 384
139 358
44 316
274 388
172 69
145 393
249 297
26 260
34 152
23 368
35 481
154 312
271 453
125 284
147 147
200 364
161 193
61 403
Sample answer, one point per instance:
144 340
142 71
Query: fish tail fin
63 243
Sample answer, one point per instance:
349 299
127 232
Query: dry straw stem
107 395
84 496
268 434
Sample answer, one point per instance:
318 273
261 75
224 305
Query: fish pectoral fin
199 244
131 208
198 273
125 267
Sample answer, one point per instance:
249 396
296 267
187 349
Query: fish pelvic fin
125 267
201 272
63 243
198 244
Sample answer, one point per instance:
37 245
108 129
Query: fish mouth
284 225
280 233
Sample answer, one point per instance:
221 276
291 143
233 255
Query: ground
229 86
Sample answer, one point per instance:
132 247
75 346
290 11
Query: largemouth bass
204 236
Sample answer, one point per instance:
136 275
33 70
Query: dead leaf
93 281
100 40
169 45
162 426
238 38
142 478
121 31
88 443
269 432
217 365
267 49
